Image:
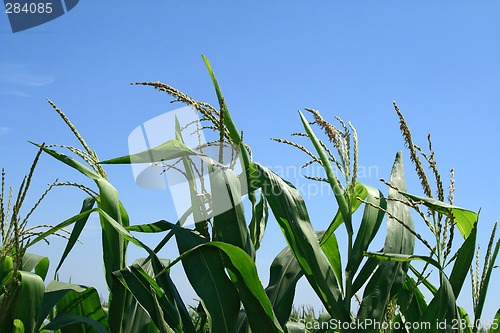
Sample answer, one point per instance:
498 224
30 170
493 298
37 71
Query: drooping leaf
69 322
35 262
76 301
166 151
61 225
463 218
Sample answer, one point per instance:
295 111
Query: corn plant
389 295
26 305
218 254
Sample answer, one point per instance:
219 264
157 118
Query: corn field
361 288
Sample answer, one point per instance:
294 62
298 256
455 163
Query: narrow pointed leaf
166 151
88 204
332 178
395 257
390 275
259 222
463 262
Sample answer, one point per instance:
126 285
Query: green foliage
218 255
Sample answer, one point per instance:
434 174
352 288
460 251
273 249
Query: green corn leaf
169 150
229 224
205 271
424 281
390 275
236 137
395 257
155 227
370 224
332 178
28 299
61 225
259 222
114 247
284 274
411 301
137 320
369 267
463 218
68 322
291 214
39 263
463 262
442 309
242 323
359 192
243 275
151 296
175 306
228 121
72 303
464 316
70 162
330 248
88 204
163 279
199 211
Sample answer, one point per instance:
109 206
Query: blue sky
440 62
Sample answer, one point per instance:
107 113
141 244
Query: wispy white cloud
4 130
12 73
17 93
